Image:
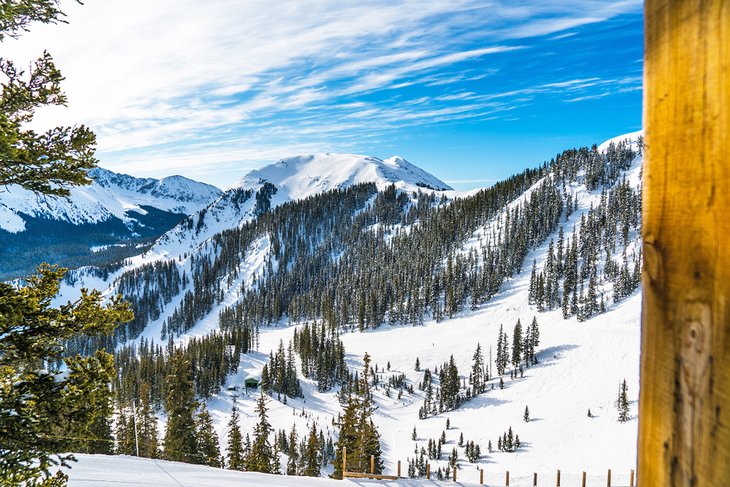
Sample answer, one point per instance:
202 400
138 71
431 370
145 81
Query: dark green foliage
207 439
479 375
517 344
507 442
357 431
280 374
312 454
322 354
180 442
236 454
44 411
261 455
148 435
502 358
473 452
623 403
291 466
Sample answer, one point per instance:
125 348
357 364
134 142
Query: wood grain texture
684 403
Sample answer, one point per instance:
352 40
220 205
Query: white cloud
249 80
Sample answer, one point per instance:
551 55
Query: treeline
322 354
356 258
601 262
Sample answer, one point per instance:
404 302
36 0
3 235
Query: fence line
494 478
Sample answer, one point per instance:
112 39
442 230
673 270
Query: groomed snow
126 471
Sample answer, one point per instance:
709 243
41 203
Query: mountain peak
304 175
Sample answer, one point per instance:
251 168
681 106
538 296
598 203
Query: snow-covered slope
302 176
125 471
581 364
293 178
110 195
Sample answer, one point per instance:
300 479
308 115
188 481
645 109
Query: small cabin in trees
251 383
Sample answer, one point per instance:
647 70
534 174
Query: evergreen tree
74 403
501 359
312 454
125 434
623 403
517 344
180 443
291 466
208 449
236 456
148 435
357 431
478 371
526 416
275 460
260 457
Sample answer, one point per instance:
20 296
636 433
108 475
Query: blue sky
471 91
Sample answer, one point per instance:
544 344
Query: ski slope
125 471
581 366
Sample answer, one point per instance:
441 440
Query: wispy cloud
210 88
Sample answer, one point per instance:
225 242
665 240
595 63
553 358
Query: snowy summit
302 176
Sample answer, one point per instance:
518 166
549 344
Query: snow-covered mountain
582 357
110 195
290 179
302 176
114 208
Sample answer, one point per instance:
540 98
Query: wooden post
428 471
583 482
684 420
372 464
398 468
344 461
506 479
534 480
454 473
631 479
481 476
608 482
557 484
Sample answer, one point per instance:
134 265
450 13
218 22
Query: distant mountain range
290 179
115 216
526 293
118 215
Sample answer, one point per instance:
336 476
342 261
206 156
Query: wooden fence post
344 461
684 438
534 480
583 483
608 482
557 484
428 471
372 464
398 468
454 473
506 479
631 478
481 476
